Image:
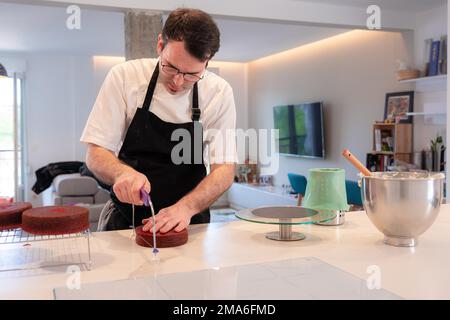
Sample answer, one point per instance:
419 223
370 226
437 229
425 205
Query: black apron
147 148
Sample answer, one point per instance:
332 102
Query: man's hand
175 216
179 215
128 184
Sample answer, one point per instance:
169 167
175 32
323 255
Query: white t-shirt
124 89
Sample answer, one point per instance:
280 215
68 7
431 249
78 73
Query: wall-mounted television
301 131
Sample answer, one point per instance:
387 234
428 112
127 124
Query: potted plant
436 146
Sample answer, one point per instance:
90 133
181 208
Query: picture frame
266 180
397 104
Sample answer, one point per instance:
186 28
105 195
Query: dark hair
196 28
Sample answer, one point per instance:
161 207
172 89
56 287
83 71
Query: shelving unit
400 136
383 152
428 84
439 78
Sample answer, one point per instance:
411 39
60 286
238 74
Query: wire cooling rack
20 250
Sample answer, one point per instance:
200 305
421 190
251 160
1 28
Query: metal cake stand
285 217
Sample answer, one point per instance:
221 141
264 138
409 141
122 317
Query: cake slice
53 220
11 214
163 240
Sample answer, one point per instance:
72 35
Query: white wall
236 75
58 97
429 24
350 73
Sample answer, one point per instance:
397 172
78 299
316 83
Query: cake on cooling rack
54 220
163 240
11 214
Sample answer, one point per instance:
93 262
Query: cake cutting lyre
145 197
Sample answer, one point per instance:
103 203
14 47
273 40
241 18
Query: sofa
75 189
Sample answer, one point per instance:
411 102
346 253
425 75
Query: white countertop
413 273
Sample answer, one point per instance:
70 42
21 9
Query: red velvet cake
163 240
11 214
55 220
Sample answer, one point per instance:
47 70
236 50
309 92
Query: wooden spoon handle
354 161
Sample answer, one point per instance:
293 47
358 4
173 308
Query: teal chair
353 193
298 184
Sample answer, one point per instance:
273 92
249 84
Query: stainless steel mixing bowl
402 205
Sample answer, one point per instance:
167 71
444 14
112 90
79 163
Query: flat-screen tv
300 129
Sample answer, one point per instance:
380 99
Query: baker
147 112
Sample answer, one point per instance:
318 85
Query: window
11 139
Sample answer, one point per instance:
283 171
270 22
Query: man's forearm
104 164
209 189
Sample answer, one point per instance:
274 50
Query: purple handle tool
145 197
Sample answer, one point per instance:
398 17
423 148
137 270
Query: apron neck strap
196 112
151 88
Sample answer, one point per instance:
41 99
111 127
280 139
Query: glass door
11 139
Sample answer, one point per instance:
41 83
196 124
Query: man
141 106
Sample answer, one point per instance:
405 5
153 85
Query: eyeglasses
186 76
